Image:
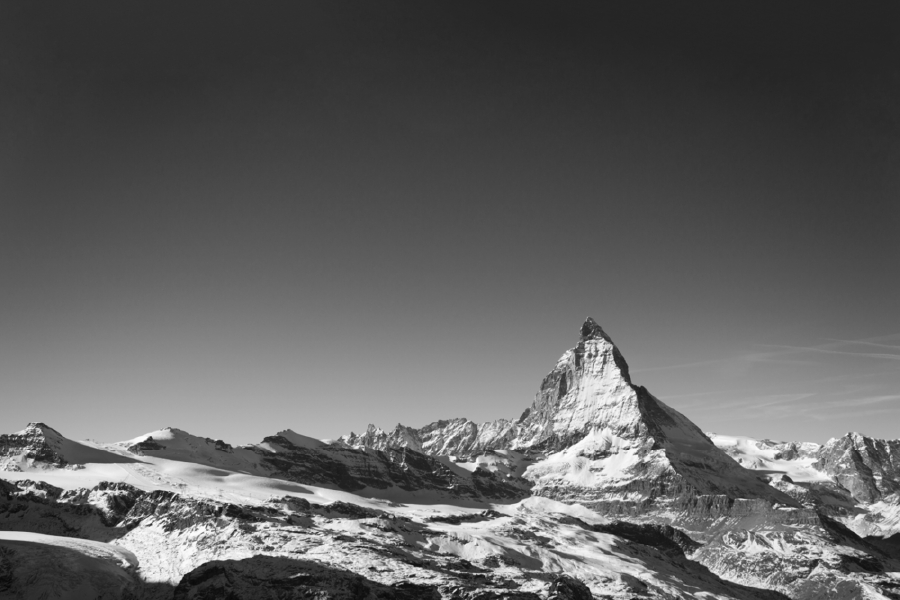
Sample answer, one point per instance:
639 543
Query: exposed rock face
273 577
664 538
566 587
596 438
36 443
869 468
112 501
146 445
354 469
296 458
39 446
828 561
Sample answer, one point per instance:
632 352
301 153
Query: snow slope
48 567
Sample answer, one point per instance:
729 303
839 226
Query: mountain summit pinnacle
592 331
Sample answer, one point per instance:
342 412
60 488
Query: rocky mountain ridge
293 457
869 468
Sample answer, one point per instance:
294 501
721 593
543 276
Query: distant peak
592 331
42 427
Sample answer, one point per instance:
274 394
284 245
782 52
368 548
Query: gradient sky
235 218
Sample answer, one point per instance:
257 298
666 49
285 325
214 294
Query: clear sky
235 218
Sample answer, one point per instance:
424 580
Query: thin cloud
827 348
826 416
823 350
780 399
867 343
865 401
694 395
702 363
757 402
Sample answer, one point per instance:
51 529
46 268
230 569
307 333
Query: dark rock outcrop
32 444
147 445
353 469
270 577
566 587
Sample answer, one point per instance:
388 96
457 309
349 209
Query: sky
236 218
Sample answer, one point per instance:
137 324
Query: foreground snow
49 567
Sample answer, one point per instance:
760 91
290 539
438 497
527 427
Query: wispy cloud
828 415
833 392
866 401
824 350
867 343
778 399
701 363
692 395
751 403
831 347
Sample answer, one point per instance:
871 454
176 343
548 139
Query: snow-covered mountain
39 446
597 490
594 437
792 459
868 467
294 457
853 479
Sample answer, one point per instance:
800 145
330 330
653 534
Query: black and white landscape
293 300
598 490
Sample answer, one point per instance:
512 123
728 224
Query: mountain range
597 490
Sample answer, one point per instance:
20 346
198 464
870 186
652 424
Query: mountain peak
40 446
592 331
37 425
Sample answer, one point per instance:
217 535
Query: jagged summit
39 425
37 428
590 330
868 467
